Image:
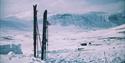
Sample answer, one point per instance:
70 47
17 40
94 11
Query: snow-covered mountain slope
64 45
76 36
13 23
118 18
105 45
89 20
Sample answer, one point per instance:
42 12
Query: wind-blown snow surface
64 45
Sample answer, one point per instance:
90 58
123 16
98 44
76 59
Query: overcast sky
23 8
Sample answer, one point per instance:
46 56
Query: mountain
88 20
117 18
13 23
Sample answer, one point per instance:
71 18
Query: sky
23 8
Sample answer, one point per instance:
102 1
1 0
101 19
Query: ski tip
45 11
35 5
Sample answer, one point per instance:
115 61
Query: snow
13 58
105 45
64 46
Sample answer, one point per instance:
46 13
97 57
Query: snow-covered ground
93 37
64 45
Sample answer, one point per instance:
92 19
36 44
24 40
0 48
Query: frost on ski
68 42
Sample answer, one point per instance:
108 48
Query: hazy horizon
23 8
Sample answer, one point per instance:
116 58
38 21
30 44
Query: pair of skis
36 35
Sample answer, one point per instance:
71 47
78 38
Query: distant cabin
5 49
